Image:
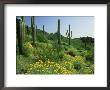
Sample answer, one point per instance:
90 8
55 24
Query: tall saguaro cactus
59 42
33 29
43 29
23 27
20 35
69 34
27 29
36 30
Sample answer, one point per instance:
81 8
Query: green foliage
90 56
22 64
47 51
73 52
77 65
41 37
53 36
27 49
28 38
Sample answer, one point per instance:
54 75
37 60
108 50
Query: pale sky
81 26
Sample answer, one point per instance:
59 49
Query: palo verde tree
33 29
69 34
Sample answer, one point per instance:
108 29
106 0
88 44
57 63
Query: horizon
81 26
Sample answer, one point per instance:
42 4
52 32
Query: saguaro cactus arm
67 33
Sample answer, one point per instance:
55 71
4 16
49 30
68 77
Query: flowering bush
47 67
28 49
69 66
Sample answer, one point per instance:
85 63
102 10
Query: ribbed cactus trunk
69 35
43 30
20 35
33 29
27 29
36 30
59 42
23 28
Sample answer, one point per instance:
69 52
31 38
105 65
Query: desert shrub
77 65
66 48
44 45
92 68
60 55
86 70
45 51
22 63
51 54
73 63
27 49
57 47
28 38
79 62
64 43
90 56
83 52
73 52
41 38
88 46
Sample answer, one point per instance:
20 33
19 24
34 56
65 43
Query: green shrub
77 65
28 38
60 55
73 52
27 49
87 70
90 56
21 66
41 38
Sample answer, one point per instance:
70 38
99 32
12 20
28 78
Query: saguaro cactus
20 35
69 34
59 42
43 29
36 30
33 29
27 29
23 27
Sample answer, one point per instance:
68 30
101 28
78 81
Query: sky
81 26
